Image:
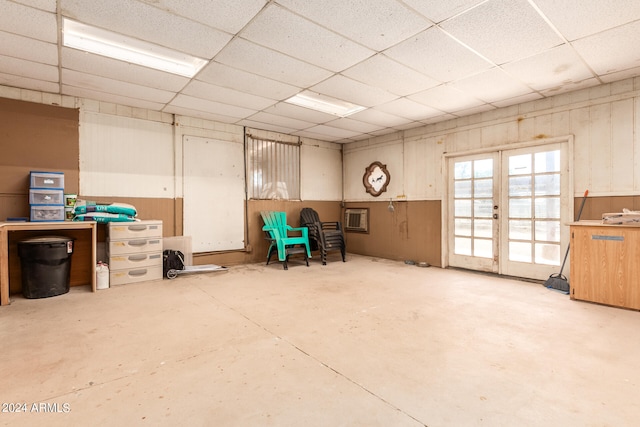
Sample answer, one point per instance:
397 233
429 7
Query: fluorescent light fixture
324 103
117 46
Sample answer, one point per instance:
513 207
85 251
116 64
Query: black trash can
46 265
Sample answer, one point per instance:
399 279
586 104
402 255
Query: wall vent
356 220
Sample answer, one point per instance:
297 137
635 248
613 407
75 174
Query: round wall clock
376 178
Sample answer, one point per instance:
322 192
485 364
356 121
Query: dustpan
557 281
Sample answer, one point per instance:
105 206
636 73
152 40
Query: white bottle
102 276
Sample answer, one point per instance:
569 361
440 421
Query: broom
558 281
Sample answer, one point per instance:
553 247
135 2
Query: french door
506 210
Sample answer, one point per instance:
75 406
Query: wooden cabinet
605 263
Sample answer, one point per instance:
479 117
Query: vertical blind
273 169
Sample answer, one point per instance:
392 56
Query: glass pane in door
473 208
534 207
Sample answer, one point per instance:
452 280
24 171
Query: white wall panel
622 143
581 129
357 160
636 144
214 194
320 171
561 123
605 125
498 134
600 146
423 168
125 157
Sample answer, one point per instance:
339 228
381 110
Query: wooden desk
605 263
7 227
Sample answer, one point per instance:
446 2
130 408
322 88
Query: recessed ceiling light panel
326 104
118 46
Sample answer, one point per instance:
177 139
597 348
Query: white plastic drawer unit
135 230
47 180
150 259
134 275
134 246
43 213
46 196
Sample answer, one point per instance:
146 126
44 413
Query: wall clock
376 178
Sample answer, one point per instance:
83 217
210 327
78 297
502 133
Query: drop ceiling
410 62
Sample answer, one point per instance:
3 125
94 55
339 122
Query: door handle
495 216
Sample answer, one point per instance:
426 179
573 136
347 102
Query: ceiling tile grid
409 62
285 32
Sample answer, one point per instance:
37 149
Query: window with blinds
273 169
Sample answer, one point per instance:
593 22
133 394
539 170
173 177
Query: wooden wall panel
35 137
594 207
150 208
411 232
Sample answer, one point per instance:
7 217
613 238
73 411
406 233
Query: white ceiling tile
143 21
28 69
410 110
287 122
250 57
12 80
214 107
446 98
119 70
570 87
173 109
379 118
437 55
317 136
579 18
225 15
267 126
438 119
385 73
408 126
296 44
46 5
223 75
517 100
503 30
554 67
438 10
475 110
611 51
228 96
286 109
492 85
354 125
283 31
28 49
620 75
112 98
331 131
349 90
115 87
28 22
376 24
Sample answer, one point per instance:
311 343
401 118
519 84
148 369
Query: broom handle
584 199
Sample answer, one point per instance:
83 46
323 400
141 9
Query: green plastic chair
278 233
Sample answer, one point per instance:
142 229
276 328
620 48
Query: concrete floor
368 342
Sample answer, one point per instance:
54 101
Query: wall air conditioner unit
356 220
